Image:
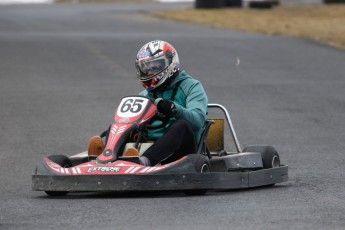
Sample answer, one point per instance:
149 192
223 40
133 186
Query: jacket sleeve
196 107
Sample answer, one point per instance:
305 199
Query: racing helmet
156 62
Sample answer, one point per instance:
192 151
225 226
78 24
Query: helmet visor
148 69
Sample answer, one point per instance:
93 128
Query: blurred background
208 3
277 66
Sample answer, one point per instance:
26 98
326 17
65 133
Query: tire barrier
262 4
209 3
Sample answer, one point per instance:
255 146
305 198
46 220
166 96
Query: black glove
166 107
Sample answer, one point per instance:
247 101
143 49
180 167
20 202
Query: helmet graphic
156 62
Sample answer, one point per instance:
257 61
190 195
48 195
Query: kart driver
176 95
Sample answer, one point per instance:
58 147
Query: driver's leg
177 142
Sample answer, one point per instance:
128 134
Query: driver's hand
166 107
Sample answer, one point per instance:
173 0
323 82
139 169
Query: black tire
333 1
234 3
261 5
202 165
209 3
56 193
270 156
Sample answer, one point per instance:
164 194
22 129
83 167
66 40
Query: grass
318 22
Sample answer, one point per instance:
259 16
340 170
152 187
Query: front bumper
160 182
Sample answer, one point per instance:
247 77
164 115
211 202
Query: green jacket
190 101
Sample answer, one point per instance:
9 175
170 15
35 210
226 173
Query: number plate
131 106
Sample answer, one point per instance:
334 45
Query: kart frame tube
160 182
231 126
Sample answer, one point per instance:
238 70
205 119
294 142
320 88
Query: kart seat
202 146
215 137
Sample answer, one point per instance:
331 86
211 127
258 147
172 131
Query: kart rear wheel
202 165
270 156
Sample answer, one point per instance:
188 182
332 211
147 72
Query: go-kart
210 168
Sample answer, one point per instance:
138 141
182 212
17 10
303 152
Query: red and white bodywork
132 112
115 168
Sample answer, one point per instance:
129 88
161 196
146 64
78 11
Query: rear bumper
160 182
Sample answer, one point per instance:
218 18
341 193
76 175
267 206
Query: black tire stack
209 3
217 3
206 4
333 1
234 3
263 4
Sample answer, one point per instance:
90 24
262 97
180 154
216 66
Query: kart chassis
238 170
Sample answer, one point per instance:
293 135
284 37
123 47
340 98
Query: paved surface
64 68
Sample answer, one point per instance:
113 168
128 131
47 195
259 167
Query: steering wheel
158 117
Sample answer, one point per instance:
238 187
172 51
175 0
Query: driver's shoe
95 146
131 152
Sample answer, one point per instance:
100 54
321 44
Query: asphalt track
64 68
